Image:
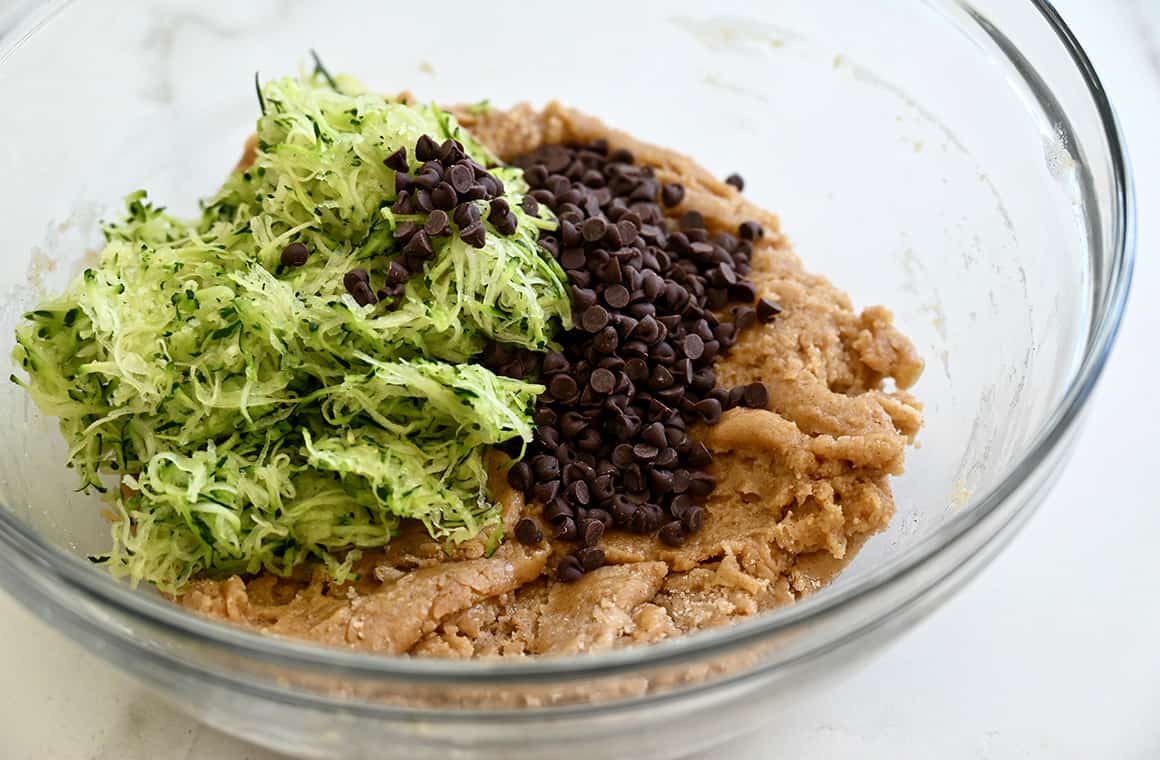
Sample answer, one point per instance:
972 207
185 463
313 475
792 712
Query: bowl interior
953 191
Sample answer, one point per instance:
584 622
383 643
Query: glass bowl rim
51 565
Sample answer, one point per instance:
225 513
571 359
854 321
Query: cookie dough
801 486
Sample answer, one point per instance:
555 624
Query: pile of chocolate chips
611 446
446 188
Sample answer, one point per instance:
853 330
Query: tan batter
800 486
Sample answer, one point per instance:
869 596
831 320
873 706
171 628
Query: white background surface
1053 652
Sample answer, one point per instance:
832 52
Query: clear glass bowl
956 161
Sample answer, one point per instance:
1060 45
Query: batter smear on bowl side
632 412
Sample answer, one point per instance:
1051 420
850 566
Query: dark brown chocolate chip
351 279
702 484
563 387
693 518
756 396
591 531
742 291
621 156
528 532
507 224
474 235
520 476
443 197
692 220
569 570
419 245
363 295
767 310
591 557
736 181
397 160
750 231
671 533
594 319
426 149
594 229
461 177
602 381
437 224
617 296
606 340
578 492
546 491
565 529
672 194
397 273
295 255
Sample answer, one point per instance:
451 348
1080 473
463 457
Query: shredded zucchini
258 415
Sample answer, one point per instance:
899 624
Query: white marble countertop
1082 683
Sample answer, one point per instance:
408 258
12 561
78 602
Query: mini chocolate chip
693 346
466 214
363 295
569 570
397 160
528 532
710 410
437 224
702 484
622 455
594 319
546 467
461 177
617 296
520 476
672 194
507 224
351 279
563 387
591 532
397 273
736 181
295 255
645 452
578 492
756 396
767 310
621 156
699 456
419 245
555 362
565 529
426 149
606 340
602 381
443 197
594 229
693 518
573 258
660 378
742 291
546 491
692 220
591 557
751 230
474 235
671 534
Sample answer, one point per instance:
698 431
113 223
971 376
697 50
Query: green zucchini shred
260 417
